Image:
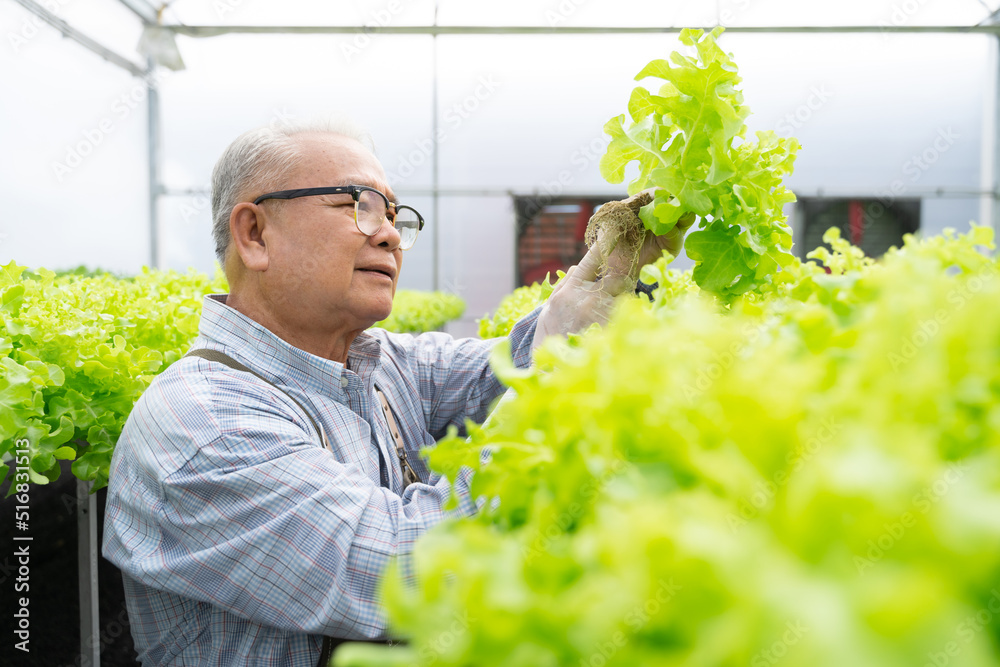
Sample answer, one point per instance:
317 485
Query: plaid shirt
240 538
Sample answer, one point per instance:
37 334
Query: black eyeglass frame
355 192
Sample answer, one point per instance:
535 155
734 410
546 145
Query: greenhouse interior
246 422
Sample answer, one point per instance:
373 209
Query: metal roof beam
146 12
80 38
212 31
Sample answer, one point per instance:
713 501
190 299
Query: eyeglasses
371 209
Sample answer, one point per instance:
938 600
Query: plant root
619 233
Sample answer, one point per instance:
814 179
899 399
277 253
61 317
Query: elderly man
262 483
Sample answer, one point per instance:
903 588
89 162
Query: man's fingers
588 268
622 262
616 284
686 220
674 241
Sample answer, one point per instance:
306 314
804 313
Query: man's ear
246 224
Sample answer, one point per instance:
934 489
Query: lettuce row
77 351
414 311
514 306
812 469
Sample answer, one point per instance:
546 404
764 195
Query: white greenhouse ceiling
117 25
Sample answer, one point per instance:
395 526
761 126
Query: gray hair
258 161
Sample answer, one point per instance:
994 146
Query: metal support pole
435 208
993 205
86 531
155 188
146 12
69 31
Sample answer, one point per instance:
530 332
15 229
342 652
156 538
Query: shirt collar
269 355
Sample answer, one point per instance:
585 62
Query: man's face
323 272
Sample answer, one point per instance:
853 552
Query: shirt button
343 381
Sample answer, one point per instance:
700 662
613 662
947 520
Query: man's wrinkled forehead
333 159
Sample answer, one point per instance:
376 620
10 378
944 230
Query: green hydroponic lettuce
688 138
